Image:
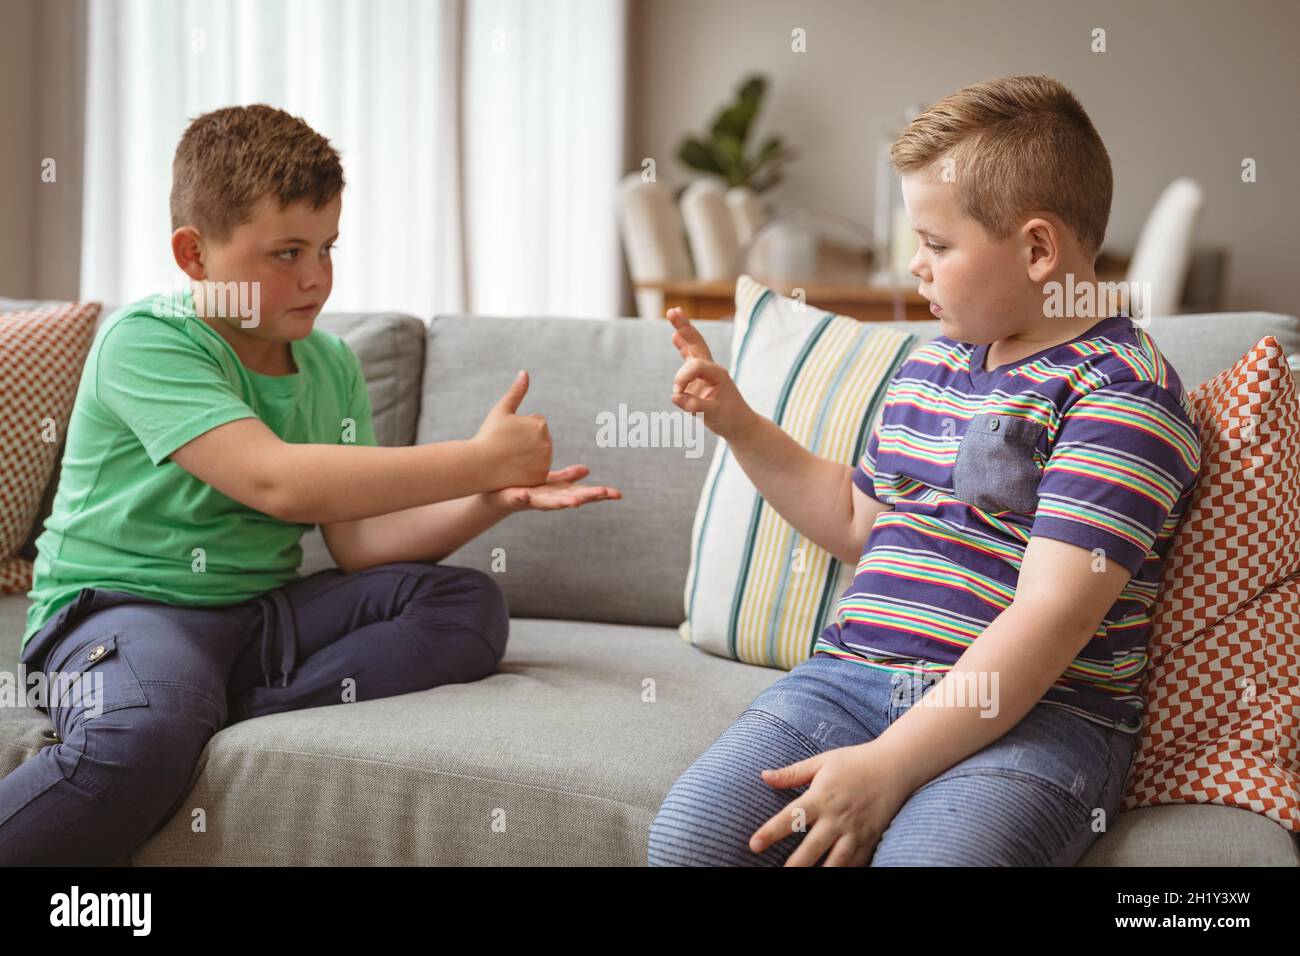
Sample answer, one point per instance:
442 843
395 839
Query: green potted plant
724 151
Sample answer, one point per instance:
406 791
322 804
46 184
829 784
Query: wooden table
716 299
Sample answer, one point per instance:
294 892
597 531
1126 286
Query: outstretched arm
431 532
321 483
816 495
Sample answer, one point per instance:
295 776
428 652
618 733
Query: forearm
814 494
424 533
321 484
1003 673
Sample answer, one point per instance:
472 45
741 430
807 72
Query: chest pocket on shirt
995 469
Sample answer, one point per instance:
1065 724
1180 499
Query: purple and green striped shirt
1092 442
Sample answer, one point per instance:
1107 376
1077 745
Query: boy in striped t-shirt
1090 442
1008 522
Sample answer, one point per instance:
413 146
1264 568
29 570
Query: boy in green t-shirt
210 430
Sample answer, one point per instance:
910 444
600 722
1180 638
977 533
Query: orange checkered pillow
1223 684
42 350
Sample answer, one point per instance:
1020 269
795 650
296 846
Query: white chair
651 228
1164 249
654 232
711 231
746 213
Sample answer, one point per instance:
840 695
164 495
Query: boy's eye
288 255
931 245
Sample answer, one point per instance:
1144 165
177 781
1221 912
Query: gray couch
559 758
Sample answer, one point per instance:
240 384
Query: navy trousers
157 681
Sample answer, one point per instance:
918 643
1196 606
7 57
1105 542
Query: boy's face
985 287
287 252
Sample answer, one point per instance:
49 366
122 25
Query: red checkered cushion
41 353
1223 684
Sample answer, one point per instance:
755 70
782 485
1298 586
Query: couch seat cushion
559 749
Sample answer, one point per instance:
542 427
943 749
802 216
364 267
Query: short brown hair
227 160
1018 144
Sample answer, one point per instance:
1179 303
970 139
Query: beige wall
42 74
1185 88
17 175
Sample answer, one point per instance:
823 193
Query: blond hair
227 160
1015 145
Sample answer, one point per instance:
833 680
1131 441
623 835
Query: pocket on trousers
96 679
996 469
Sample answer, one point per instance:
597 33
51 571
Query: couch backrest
1201 346
622 561
390 346
627 561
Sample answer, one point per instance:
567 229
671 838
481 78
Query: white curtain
544 115
414 94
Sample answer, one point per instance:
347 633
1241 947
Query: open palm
560 490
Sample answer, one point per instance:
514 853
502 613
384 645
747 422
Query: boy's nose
917 266
312 277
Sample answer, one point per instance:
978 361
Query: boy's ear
187 250
1042 248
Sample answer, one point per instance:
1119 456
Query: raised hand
704 386
517 447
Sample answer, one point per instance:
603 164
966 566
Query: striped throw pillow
757 590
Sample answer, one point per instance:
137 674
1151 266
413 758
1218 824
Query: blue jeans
1029 798
170 677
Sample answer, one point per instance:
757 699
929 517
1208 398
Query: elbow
281 506
270 487
850 552
279 499
343 562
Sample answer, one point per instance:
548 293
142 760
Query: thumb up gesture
517 447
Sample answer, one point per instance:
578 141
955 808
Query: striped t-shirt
1092 442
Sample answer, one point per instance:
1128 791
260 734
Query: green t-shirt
126 517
